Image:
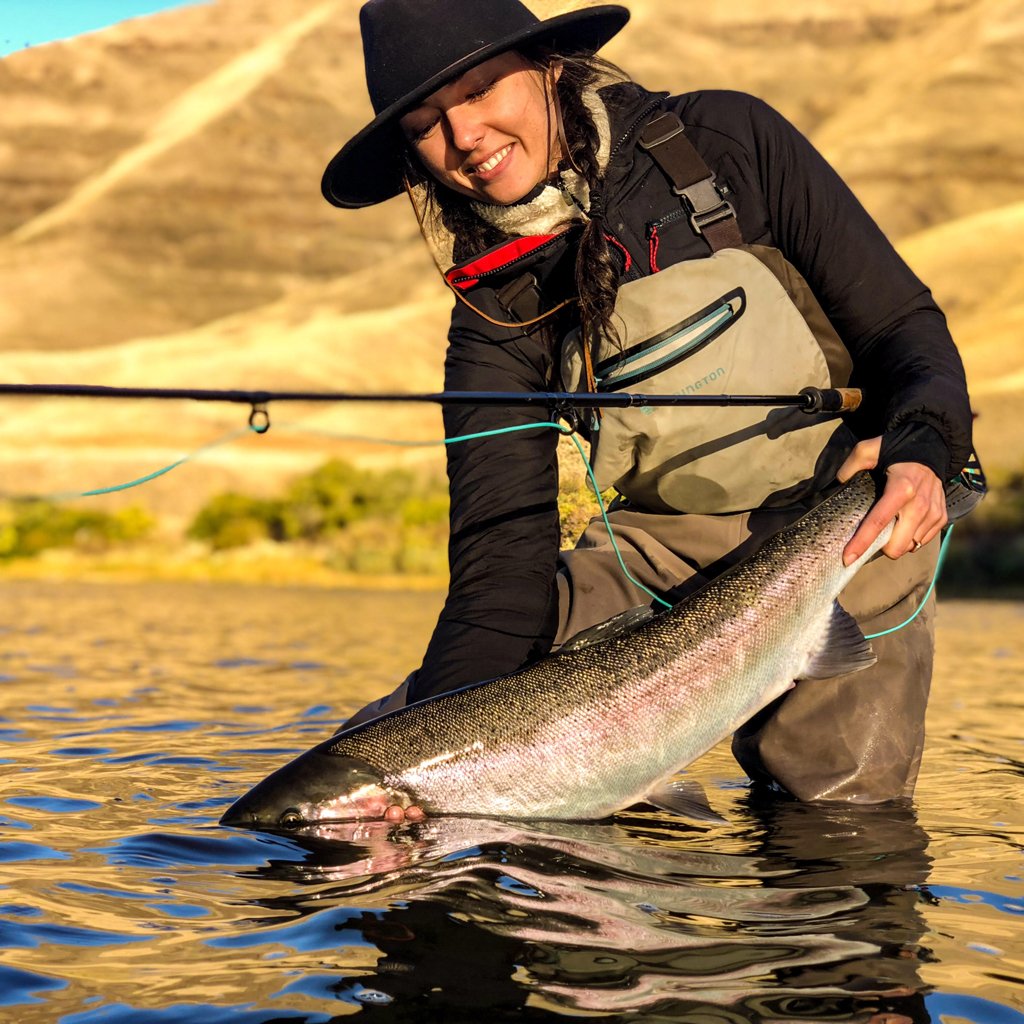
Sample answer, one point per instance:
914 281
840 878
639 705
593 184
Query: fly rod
810 400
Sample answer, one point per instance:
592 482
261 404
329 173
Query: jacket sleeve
904 358
501 608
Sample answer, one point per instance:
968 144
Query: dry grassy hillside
162 221
165 173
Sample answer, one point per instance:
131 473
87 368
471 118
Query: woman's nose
465 127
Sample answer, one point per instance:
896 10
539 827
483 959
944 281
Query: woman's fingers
863 456
922 515
881 514
397 813
913 496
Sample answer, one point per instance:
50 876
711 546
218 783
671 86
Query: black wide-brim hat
413 47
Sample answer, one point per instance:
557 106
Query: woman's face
492 133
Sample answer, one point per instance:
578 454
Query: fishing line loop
611 533
569 415
943 548
259 418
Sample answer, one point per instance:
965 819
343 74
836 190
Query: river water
133 714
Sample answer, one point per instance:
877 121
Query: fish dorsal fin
624 622
685 797
840 649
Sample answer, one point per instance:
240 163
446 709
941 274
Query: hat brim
367 169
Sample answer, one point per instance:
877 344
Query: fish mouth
316 787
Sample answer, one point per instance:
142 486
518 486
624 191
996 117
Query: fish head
316 788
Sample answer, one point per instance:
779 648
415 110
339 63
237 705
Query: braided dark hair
597 267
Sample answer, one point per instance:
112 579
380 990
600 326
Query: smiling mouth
492 162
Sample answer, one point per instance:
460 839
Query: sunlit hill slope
162 222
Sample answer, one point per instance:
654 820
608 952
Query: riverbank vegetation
337 523
342 522
31 526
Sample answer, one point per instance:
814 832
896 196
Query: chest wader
704 489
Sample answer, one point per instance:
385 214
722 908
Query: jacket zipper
464 276
625 137
613 152
669 218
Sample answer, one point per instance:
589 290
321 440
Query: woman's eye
480 93
418 134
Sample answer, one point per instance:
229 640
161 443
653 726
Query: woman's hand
913 494
398 698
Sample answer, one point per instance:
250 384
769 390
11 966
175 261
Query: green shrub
576 507
30 527
429 509
338 494
233 520
373 521
423 549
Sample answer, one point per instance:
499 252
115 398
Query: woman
596 236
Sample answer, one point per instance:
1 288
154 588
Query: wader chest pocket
739 322
667 348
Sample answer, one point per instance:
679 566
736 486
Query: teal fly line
943 548
234 435
608 526
336 436
139 481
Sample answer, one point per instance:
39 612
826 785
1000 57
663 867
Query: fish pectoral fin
685 797
624 622
842 648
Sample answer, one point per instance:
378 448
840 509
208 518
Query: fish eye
290 818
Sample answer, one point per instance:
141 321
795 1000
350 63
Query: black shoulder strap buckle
520 298
692 180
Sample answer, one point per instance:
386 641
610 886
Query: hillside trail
194 110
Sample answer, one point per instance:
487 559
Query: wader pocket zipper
650 357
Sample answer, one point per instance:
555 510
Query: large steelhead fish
588 731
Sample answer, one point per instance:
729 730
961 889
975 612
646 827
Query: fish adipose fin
624 622
841 649
685 797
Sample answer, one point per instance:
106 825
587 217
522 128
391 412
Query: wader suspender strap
692 180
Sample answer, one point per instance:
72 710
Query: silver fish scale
581 734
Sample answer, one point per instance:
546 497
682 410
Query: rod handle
831 399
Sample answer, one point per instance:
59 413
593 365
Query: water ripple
18 987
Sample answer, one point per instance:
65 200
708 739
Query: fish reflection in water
822 923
